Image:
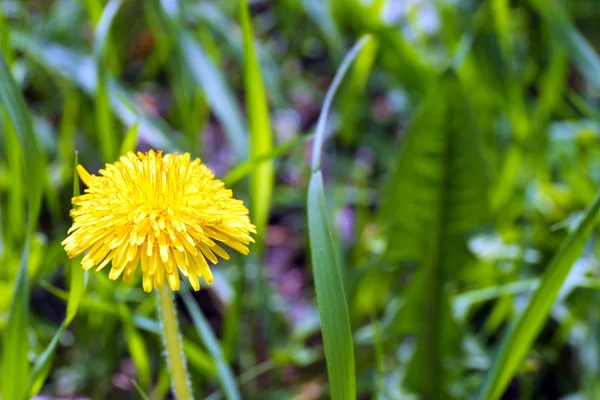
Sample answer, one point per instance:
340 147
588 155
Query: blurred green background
460 176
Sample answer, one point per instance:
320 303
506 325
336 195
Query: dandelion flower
165 212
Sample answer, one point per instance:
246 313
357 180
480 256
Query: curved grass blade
226 377
331 298
526 326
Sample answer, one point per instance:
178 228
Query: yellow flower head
163 211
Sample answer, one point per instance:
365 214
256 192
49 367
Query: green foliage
441 245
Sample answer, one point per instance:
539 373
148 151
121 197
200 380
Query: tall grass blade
104 119
527 325
261 137
331 298
43 363
12 100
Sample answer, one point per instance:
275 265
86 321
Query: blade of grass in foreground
331 299
527 325
211 343
15 362
43 363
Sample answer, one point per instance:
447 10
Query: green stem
175 358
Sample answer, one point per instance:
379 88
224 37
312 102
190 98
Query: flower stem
171 337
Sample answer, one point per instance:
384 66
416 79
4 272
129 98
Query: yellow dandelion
165 212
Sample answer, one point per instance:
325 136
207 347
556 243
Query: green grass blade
224 373
79 69
131 139
136 346
78 275
261 137
140 391
337 80
241 170
582 53
104 118
12 100
331 298
527 325
43 363
15 358
218 93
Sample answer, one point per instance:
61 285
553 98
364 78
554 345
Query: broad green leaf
15 358
331 297
210 341
106 130
436 195
261 137
526 326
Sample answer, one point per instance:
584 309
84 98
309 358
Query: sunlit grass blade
226 377
331 298
15 357
261 137
527 325
104 118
